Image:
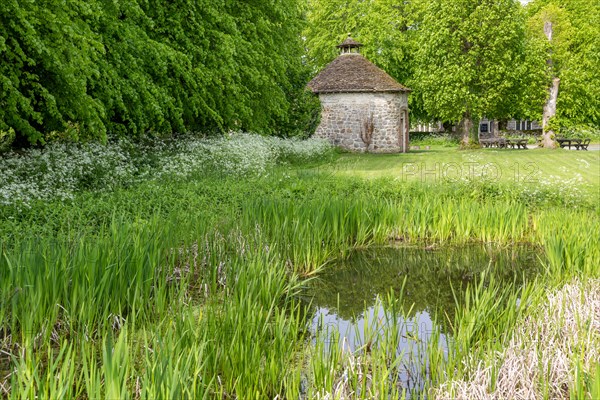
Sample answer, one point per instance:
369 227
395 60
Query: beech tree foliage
131 67
78 69
48 57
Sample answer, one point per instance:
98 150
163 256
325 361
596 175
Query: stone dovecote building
362 107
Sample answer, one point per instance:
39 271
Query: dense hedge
83 68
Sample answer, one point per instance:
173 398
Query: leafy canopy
137 66
573 54
470 59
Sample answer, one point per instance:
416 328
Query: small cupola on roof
349 46
362 107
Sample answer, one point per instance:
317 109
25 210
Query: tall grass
198 298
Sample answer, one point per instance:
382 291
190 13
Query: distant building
489 127
431 127
362 107
523 125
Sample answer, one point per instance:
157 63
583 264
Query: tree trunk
451 129
468 129
549 112
550 106
502 125
447 126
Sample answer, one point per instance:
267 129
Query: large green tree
138 66
564 39
470 61
48 53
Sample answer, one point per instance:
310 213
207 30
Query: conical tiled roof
352 72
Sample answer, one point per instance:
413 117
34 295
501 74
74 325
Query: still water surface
350 297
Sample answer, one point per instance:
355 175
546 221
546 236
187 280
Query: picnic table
503 143
567 142
493 142
518 143
488 142
578 143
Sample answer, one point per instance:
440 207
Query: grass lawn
448 164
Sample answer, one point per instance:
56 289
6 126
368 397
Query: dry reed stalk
350 365
542 357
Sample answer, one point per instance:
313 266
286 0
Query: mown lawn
440 164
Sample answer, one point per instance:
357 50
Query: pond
349 297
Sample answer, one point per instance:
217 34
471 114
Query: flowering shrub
60 170
296 150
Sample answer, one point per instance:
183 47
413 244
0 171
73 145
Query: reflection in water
353 297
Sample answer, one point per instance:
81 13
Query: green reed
189 301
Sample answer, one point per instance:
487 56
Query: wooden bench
487 143
518 143
503 143
583 145
567 142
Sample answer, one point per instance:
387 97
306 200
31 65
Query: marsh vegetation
195 286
